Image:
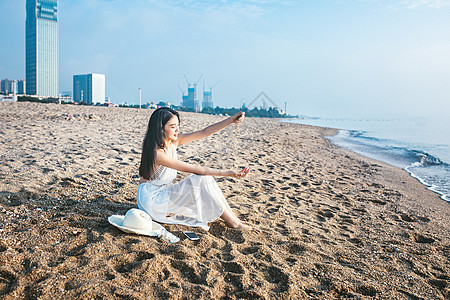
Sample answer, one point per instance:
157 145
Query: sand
335 224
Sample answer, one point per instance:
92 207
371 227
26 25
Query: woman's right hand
238 118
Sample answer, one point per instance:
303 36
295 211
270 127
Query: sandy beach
335 224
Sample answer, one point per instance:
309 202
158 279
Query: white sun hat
139 222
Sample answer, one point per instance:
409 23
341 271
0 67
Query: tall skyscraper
41 61
89 88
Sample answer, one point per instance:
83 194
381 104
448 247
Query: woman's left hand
238 118
231 173
243 173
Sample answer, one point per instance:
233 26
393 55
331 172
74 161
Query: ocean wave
425 159
415 157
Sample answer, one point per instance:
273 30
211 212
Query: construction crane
194 84
211 87
181 90
198 80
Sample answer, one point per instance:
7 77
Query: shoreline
335 224
429 186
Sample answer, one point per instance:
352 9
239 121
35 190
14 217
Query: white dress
194 201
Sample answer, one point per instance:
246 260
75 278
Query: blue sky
342 58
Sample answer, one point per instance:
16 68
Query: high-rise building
41 61
207 99
190 100
89 88
184 100
8 86
192 97
21 89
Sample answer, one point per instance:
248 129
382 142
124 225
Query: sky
323 58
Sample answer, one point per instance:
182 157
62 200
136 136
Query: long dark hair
154 139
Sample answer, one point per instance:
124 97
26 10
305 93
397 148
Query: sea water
421 146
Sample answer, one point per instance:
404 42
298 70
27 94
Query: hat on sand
139 222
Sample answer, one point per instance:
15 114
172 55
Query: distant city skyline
359 58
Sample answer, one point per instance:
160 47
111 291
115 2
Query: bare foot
233 222
248 227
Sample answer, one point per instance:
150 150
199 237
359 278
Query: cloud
410 4
415 4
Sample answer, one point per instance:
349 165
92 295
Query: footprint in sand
367 290
291 260
7 282
438 283
407 218
237 281
188 272
294 185
267 182
76 251
56 262
422 239
273 210
250 250
277 277
104 172
133 262
47 170
283 229
326 213
296 249
375 201
355 241
233 267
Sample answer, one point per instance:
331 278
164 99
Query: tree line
271 112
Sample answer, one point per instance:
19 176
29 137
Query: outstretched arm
163 159
190 137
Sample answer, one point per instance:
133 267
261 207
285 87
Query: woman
194 201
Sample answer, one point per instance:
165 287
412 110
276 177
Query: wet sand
335 224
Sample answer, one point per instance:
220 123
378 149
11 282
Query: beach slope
334 224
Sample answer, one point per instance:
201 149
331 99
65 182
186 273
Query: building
66 94
184 100
190 100
8 86
89 88
21 88
207 99
41 43
8 98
